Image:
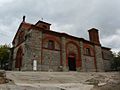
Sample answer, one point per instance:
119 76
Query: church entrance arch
72 62
18 63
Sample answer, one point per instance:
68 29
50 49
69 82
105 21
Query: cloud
113 41
73 17
2 2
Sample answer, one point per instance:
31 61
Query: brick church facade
57 51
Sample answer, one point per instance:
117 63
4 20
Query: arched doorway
72 62
18 63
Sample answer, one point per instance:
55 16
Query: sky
74 17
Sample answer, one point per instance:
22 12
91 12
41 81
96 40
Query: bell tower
94 36
43 25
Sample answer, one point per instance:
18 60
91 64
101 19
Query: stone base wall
50 60
88 64
99 59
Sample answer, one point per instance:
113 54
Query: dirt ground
107 87
62 81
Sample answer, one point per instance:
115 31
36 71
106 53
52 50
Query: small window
51 44
88 51
103 55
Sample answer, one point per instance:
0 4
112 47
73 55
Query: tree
4 55
116 61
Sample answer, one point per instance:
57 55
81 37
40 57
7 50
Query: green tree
4 55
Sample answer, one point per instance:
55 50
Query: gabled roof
42 22
92 29
24 25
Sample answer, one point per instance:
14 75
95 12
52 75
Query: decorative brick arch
88 46
18 63
72 53
52 38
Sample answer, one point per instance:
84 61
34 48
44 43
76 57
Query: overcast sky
74 17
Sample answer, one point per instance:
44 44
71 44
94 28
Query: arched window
88 51
51 44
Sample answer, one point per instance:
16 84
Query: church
38 48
